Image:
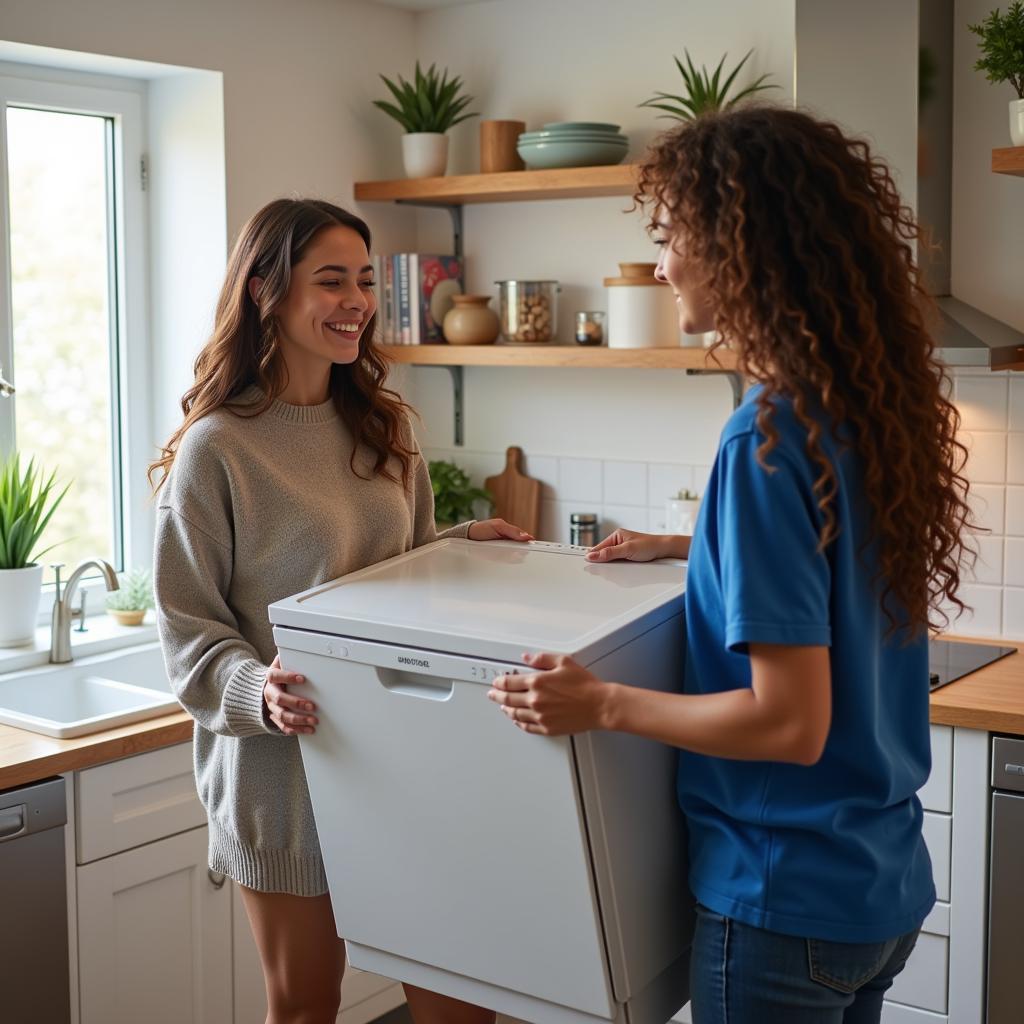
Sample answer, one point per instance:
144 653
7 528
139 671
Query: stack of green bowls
573 144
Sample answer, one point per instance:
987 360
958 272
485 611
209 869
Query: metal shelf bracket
455 209
735 382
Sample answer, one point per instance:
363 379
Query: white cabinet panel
894 1013
937 793
923 982
154 936
938 837
136 800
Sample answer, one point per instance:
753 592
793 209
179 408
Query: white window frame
72 93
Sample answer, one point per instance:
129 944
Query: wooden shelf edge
559 356
506 186
1009 160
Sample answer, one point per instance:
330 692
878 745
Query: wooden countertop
27 756
991 699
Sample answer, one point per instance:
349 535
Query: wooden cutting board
516 495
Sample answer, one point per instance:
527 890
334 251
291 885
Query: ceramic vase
20 590
470 321
1017 122
425 154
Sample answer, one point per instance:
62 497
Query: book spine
415 336
403 298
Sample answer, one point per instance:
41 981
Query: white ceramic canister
641 313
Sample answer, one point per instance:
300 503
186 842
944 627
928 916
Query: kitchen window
73 338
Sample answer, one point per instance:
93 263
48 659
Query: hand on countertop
497 529
639 547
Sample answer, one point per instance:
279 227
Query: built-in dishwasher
34 985
1006 893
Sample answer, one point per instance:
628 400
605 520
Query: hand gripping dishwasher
544 877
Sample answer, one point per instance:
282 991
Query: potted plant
129 604
705 92
453 493
426 108
27 503
1002 46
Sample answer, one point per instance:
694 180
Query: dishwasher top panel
494 599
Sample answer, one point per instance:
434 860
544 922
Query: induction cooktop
949 660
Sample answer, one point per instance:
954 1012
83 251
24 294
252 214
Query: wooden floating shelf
560 355
1009 160
504 186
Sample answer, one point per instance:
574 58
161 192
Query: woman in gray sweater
294 465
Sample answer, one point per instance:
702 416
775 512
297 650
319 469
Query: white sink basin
88 695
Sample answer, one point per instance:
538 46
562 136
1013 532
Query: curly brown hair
805 252
243 349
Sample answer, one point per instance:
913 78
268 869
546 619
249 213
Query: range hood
968 337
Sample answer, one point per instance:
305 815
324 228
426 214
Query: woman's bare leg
303 958
434 1008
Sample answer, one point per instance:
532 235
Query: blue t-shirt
833 850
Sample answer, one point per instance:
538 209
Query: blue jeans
740 974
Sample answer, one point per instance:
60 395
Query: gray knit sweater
255 510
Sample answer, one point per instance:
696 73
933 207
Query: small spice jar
583 529
590 327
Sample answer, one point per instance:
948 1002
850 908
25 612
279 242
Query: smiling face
682 272
329 302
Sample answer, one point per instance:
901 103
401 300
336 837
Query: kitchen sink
88 695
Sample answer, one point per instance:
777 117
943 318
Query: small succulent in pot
454 495
130 604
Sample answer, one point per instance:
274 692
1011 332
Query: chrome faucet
63 612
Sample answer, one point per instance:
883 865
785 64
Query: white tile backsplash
1013 613
625 483
1013 569
545 469
1017 402
1015 511
665 480
989 566
982 402
985 615
986 460
626 516
580 480
986 501
1015 459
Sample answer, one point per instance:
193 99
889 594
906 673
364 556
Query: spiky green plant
136 593
27 503
430 103
1002 46
705 92
453 493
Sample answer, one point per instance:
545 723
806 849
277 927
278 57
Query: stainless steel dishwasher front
1006 894
33 905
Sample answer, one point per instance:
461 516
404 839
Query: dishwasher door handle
415 684
13 822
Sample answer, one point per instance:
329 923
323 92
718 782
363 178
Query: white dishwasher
544 877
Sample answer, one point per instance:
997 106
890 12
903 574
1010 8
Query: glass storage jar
528 311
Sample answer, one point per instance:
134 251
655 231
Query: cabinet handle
13 822
217 878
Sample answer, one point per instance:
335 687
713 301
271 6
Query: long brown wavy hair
243 350
806 255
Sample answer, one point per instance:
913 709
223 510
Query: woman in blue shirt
830 533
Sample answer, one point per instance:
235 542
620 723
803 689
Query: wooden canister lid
646 282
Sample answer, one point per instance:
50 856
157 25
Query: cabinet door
154 936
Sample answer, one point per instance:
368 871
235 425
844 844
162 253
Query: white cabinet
154 936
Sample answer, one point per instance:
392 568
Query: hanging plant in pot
426 108
1002 46
27 503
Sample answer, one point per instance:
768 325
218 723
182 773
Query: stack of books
414 291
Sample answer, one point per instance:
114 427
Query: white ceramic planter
681 515
1017 122
19 604
425 154
642 316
